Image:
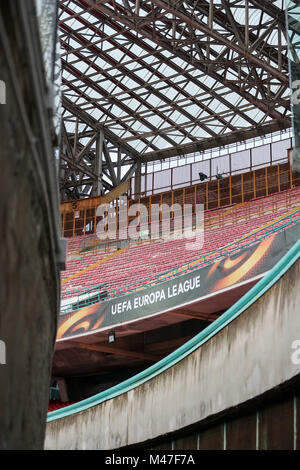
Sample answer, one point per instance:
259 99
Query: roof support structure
159 78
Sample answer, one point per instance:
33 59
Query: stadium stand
131 266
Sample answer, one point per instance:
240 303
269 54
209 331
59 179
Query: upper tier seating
144 261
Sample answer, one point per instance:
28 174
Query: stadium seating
144 261
56 404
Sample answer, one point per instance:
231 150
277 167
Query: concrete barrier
247 357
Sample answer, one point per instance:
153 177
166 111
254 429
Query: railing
84 298
79 218
81 291
228 250
168 179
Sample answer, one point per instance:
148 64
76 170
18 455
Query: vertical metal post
224 436
139 220
137 179
198 441
97 187
210 23
73 223
130 188
279 48
95 219
119 167
63 223
292 26
127 216
246 24
84 221
153 182
160 212
117 215
295 422
257 432
75 137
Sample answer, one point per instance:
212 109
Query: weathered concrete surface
29 286
250 356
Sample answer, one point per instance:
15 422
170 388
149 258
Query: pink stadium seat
147 260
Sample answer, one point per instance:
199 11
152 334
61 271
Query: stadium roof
162 78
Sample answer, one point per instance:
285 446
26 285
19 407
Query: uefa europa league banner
219 276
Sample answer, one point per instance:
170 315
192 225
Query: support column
98 187
63 392
137 179
292 27
119 167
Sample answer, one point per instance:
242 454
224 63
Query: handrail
190 346
82 290
70 307
206 259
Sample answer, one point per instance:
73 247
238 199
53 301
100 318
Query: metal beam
239 62
117 351
91 122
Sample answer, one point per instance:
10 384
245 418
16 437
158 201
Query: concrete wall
251 356
29 288
271 424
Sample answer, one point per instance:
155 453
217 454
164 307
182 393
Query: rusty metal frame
156 79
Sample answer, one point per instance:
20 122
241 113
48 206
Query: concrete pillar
98 187
63 392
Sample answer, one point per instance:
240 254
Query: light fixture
111 337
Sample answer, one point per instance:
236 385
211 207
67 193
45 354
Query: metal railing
208 168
